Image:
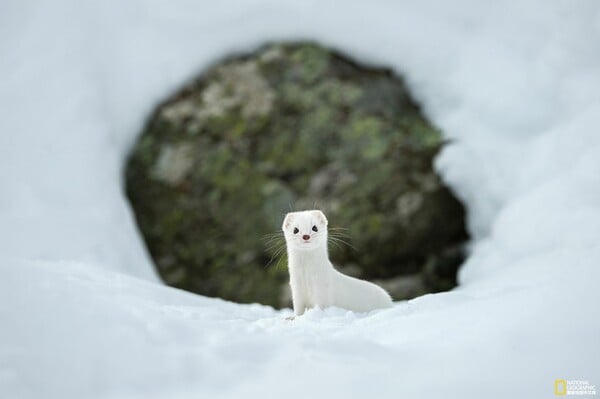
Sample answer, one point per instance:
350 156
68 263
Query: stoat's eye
296 230
315 229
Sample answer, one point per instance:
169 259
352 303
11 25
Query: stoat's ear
320 217
287 221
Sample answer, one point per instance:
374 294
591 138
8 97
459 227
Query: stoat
313 279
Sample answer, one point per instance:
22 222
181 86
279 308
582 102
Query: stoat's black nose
306 237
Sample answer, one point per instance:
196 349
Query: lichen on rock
293 126
174 162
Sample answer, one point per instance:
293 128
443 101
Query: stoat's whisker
274 239
277 250
273 244
339 240
274 248
339 232
337 235
336 245
277 255
271 236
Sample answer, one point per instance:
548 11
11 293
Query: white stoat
314 280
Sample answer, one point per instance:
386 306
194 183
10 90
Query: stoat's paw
290 318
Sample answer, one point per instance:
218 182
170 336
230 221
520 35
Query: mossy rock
291 127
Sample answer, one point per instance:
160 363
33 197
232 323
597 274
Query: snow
514 85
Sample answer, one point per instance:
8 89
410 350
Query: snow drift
514 86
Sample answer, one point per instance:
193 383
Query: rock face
291 127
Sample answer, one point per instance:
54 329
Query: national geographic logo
573 387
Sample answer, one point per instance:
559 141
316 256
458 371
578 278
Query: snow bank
514 85
78 331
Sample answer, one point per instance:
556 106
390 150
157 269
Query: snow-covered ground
514 84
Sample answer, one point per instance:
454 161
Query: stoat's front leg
298 296
299 302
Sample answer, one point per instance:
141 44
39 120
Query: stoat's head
305 230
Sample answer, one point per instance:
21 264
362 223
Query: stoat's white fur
314 280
